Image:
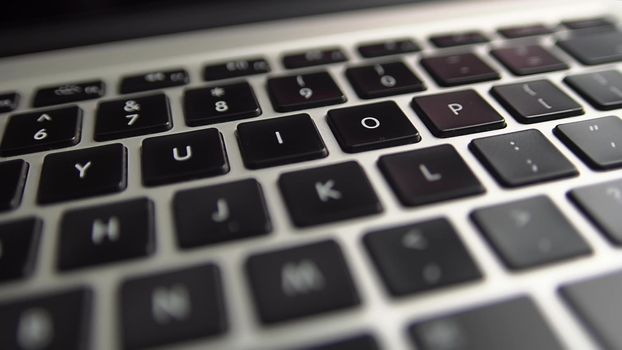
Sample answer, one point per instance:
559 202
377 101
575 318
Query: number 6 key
220 103
42 130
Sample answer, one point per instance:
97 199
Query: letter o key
370 122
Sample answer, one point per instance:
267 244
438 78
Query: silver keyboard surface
379 314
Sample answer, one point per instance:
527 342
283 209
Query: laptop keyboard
314 279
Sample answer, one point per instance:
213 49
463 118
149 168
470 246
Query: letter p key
455 108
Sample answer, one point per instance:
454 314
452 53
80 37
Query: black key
106 233
300 281
383 79
83 173
69 92
589 23
154 80
516 324
429 175
280 141
603 90
457 113
524 31
171 307
601 203
61 320
597 141
236 68
420 257
13 178
220 213
596 302
330 193
295 92
19 243
315 57
530 232
594 49
182 157
371 126
40 131
359 342
8 101
529 59
387 48
522 158
536 101
133 116
457 39
458 69
217 104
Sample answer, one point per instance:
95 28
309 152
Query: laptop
340 174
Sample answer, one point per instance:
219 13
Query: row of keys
528 102
410 259
515 159
521 61
166 318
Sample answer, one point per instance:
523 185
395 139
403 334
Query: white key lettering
82 168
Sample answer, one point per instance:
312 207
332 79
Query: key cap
359 342
371 126
595 301
315 57
300 281
457 39
217 104
429 175
69 92
106 233
42 130
132 117
456 113
83 173
183 157
458 69
60 320
8 101
383 79
597 142
603 90
19 243
280 141
420 257
154 80
601 203
295 92
589 23
522 158
330 193
13 178
535 101
530 232
524 31
515 324
528 59
171 307
592 49
220 213
236 68
388 48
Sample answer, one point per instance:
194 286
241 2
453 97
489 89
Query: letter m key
301 278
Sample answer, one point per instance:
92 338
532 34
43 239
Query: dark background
29 26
